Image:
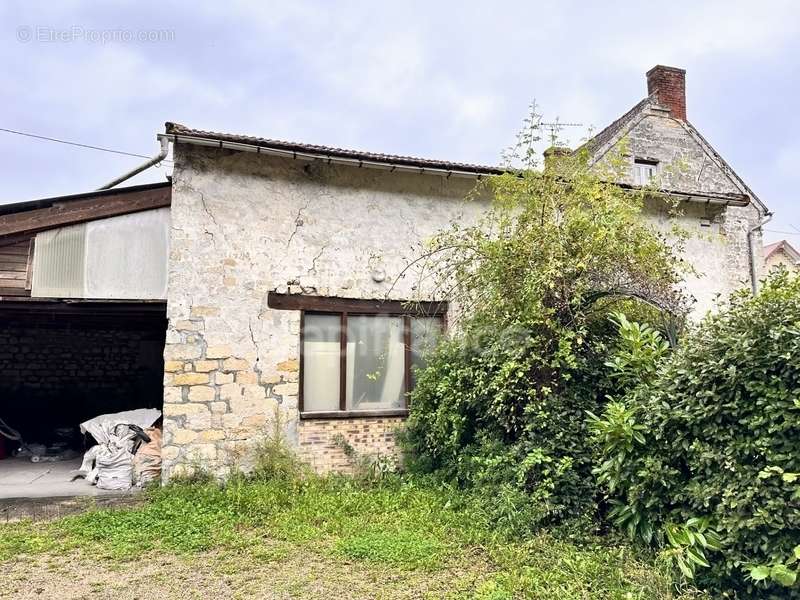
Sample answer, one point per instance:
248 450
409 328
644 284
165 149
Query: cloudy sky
447 80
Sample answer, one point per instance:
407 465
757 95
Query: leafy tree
500 405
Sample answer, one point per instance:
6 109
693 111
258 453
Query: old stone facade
719 212
244 225
289 220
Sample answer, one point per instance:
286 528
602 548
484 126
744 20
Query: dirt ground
274 574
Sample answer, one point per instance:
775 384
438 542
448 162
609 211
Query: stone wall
717 248
683 163
218 404
245 224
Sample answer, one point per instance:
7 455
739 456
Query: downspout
751 253
145 165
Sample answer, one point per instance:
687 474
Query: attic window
644 171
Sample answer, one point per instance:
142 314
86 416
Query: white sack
112 458
101 426
114 468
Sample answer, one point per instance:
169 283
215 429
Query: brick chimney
669 84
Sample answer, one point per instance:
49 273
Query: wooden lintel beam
353 305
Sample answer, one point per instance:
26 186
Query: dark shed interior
64 362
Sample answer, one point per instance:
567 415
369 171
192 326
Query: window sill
354 414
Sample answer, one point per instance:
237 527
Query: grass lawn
315 538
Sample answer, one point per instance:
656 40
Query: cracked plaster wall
244 225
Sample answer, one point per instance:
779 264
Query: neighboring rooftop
781 246
25 205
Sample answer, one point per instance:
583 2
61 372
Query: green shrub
718 430
478 420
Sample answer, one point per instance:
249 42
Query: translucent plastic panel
59 263
375 363
425 332
126 257
321 354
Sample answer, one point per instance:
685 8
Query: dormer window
644 170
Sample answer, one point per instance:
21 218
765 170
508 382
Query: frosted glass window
59 256
361 362
321 359
375 363
425 333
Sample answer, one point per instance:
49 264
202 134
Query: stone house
781 253
283 299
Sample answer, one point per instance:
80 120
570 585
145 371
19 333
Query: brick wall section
368 437
51 359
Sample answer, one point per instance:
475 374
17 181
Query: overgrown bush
500 407
478 419
718 438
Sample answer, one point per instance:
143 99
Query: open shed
83 284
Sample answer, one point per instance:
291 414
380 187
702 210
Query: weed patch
406 549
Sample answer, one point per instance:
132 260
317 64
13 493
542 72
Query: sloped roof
333 152
609 136
37 215
783 246
421 165
609 133
25 205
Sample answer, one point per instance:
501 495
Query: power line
89 146
783 232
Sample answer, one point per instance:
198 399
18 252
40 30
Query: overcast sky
448 80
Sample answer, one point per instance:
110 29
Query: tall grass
397 523
394 522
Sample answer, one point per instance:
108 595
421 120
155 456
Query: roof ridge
608 132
